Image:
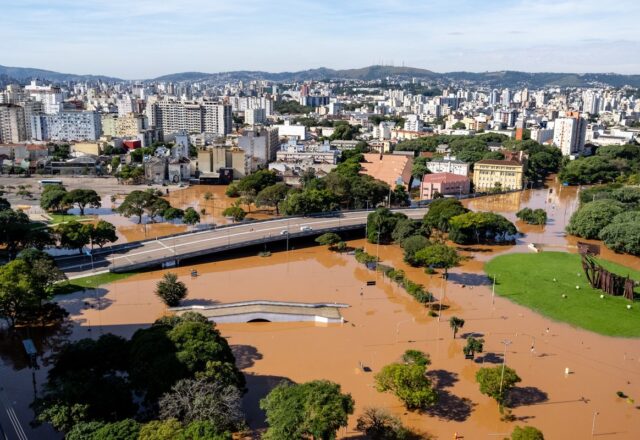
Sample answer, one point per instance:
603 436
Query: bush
532 216
526 433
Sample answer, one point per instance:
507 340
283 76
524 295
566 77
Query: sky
138 39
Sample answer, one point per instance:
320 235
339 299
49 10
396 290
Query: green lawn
60 218
527 279
90 282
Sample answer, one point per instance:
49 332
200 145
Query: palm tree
456 323
171 290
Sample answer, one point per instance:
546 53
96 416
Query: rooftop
511 163
443 177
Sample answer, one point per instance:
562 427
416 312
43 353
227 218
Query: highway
167 251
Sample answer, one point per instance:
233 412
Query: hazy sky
147 38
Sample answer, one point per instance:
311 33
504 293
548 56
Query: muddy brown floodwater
383 321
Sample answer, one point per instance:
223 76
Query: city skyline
148 39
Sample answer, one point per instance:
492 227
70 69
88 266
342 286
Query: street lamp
593 424
506 343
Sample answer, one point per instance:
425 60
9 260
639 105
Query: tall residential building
217 118
67 126
260 146
413 123
12 124
254 116
51 97
569 135
208 117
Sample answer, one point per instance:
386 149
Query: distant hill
26 74
506 78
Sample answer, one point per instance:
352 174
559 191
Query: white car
306 228
284 232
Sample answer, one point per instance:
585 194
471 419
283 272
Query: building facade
504 174
449 166
67 126
444 184
12 124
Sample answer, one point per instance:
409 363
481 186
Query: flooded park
569 376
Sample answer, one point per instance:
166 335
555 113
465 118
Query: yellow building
487 174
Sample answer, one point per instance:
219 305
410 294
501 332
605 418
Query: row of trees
610 213
342 188
178 375
56 198
150 202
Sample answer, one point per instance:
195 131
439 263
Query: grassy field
528 279
61 218
90 282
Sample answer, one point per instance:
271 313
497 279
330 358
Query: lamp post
506 343
593 424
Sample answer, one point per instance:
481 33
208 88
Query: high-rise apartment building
208 117
569 135
12 124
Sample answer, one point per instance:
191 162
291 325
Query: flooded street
380 324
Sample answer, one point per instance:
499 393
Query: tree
438 255
441 211
405 228
127 429
83 198
455 323
400 196
272 196
193 400
74 235
256 182
156 207
171 290
203 430
172 213
169 429
43 272
495 384
102 233
309 201
16 290
316 409
532 216
419 167
416 357
135 203
480 227
586 170
4 204
473 346
191 217
409 383
17 232
623 233
412 245
526 433
53 198
380 424
235 212
590 219
381 224
328 239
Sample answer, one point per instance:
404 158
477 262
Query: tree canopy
480 227
317 409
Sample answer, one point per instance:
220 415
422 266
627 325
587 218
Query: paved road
10 425
153 253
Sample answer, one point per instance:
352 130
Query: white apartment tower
569 135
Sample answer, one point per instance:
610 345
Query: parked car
306 228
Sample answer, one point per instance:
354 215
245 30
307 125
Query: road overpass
170 251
